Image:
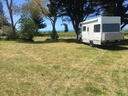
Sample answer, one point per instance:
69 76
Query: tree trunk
54 34
75 26
77 32
9 6
75 22
53 27
13 28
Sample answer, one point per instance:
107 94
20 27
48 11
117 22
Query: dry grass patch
63 68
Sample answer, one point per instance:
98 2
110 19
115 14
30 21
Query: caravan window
84 28
111 27
97 28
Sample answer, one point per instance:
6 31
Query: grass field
62 68
61 34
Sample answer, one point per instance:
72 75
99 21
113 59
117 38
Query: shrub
28 29
7 31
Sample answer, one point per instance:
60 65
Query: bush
7 31
28 29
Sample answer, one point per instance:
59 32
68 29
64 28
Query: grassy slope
62 68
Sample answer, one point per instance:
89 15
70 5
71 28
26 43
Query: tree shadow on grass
123 45
71 41
124 42
113 48
61 40
119 47
48 41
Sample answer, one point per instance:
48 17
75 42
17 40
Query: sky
59 27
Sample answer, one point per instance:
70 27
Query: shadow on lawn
124 42
121 45
62 40
113 48
49 41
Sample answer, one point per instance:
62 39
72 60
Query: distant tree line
36 12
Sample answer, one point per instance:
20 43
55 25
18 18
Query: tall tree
51 14
1 8
9 4
3 19
116 8
1 14
77 10
32 10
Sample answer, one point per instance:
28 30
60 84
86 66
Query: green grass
64 68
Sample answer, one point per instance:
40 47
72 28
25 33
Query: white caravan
104 30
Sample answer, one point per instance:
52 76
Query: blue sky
49 27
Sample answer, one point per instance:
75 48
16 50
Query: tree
31 20
36 15
53 18
51 14
77 10
1 8
28 28
39 21
115 8
31 10
7 31
4 24
1 14
65 27
3 19
9 4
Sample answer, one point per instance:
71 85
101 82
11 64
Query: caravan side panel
110 20
88 31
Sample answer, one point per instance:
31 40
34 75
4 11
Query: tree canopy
53 15
115 8
1 14
3 19
77 10
31 10
9 4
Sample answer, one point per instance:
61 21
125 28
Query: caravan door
85 33
97 34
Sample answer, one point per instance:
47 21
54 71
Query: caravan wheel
80 40
91 44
